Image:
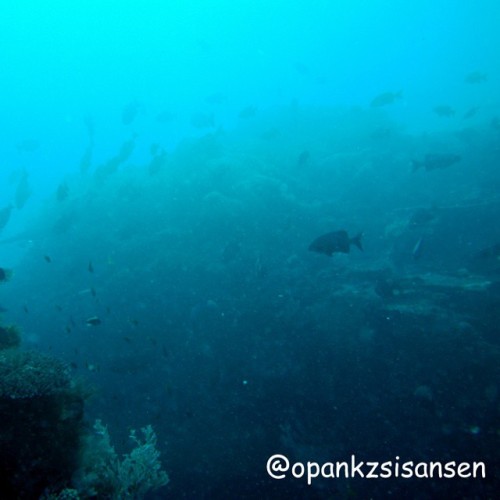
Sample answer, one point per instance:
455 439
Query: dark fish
86 159
165 117
5 215
470 113
486 261
270 134
130 112
476 77
23 191
90 267
303 159
62 191
216 98
301 68
203 120
247 112
5 274
444 110
28 146
421 217
93 321
387 288
3 309
436 161
47 259
336 241
386 98
491 253
93 292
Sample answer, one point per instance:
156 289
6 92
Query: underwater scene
250 249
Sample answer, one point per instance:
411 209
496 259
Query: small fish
28 146
47 259
475 77
62 191
203 120
470 113
59 308
86 159
334 242
93 321
216 98
5 274
164 117
130 112
436 161
301 68
93 292
303 159
90 267
417 249
91 367
444 110
421 217
67 329
25 309
247 112
134 322
23 191
386 98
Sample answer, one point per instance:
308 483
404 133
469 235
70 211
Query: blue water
222 138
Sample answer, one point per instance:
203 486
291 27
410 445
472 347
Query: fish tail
357 241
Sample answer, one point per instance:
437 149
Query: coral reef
41 414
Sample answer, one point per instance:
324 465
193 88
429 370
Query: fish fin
357 241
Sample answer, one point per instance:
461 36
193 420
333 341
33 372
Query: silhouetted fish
421 217
93 321
5 274
475 77
436 161
5 215
385 99
336 241
130 112
444 110
203 120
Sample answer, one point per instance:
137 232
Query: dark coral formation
41 415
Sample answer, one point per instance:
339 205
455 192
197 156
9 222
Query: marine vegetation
104 475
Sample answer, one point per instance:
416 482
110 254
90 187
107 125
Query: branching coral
103 474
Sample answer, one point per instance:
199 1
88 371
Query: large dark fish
475 77
385 99
436 161
5 274
444 110
335 242
5 215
